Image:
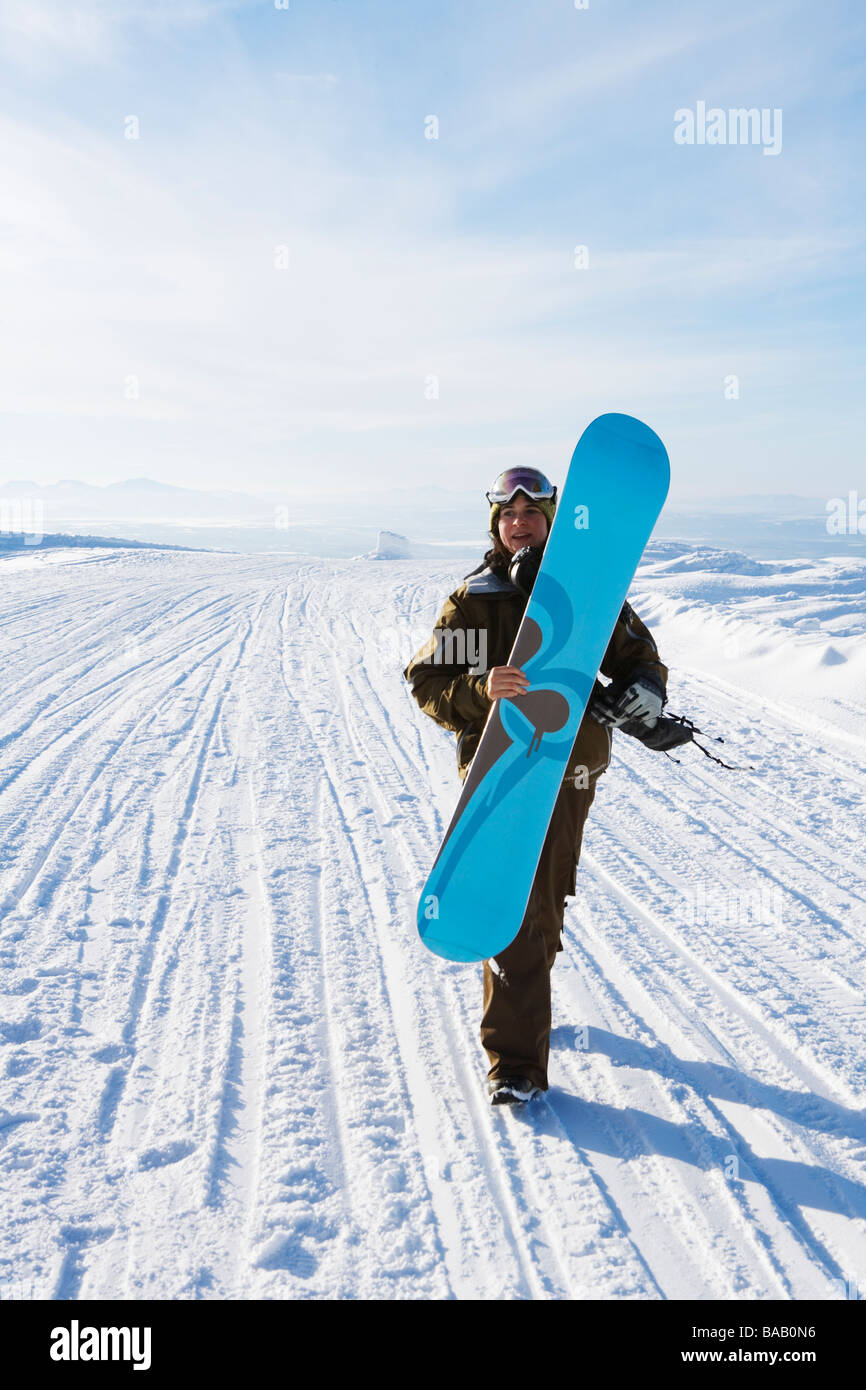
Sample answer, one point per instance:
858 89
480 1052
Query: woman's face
521 523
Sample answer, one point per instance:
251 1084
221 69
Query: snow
389 546
773 627
230 1070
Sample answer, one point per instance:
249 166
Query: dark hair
497 557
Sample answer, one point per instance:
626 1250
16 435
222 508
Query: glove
636 702
523 569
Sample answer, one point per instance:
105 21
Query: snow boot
511 1090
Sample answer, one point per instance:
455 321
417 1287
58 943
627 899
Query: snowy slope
230 1070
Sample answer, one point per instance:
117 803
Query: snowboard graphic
474 900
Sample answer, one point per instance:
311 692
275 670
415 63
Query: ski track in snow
230 1070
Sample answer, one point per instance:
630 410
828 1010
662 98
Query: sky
360 245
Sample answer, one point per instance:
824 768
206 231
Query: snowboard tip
449 950
606 435
627 427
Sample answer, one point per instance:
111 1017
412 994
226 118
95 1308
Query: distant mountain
13 543
780 504
144 485
20 487
70 502
344 523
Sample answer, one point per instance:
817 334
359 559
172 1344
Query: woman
483 615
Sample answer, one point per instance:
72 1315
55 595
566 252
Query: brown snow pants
515 1028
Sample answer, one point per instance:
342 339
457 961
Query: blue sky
149 329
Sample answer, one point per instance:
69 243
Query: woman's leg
515 1027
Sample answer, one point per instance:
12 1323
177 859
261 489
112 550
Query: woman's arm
631 651
440 675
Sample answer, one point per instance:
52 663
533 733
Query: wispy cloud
323 79
430 311
42 31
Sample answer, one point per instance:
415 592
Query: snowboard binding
673 730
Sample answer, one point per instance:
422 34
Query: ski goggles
527 480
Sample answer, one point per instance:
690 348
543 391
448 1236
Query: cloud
122 274
145 309
41 32
317 79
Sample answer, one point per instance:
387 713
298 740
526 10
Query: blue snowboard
475 898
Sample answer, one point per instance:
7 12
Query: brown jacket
485 611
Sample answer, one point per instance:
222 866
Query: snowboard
475 897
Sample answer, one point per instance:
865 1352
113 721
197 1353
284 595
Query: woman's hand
504 682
